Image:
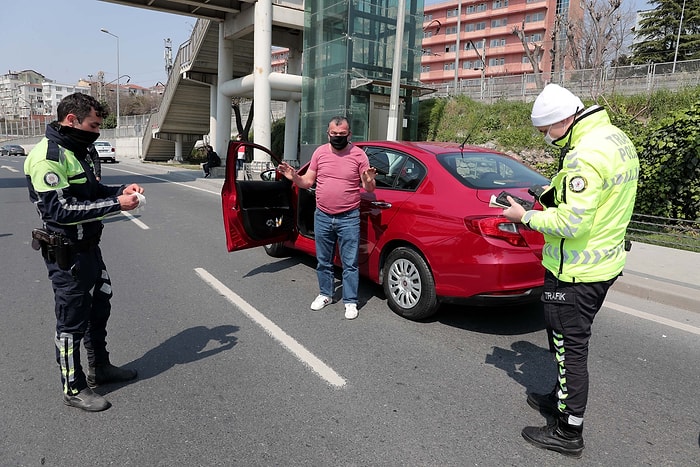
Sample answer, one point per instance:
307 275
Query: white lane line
654 318
135 220
166 180
11 169
287 341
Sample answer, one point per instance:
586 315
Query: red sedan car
428 234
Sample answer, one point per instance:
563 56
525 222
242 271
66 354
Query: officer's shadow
529 365
185 347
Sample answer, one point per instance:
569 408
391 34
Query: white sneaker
350 311
320 302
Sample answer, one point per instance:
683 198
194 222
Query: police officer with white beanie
587 208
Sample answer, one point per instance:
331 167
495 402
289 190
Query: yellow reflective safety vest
589 203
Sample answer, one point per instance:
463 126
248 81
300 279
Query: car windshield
490 171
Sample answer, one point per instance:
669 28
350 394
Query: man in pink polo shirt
338 169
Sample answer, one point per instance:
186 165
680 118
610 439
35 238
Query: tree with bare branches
533 51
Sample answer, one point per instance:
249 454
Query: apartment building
478 39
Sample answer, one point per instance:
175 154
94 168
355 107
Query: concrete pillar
213 105
222 133
292 111
262 65
178 147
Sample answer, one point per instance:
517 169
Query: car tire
276 250
409 285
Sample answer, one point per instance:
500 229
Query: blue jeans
343 230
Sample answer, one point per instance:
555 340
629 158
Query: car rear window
102 143
490 171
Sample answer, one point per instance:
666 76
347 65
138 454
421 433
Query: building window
497 43
451 30
469 27
480 26
534 38
427 51
481 7
450 48
425 69
449 66
495 23
470 9
468 65
451 13
534 17
428 34
497 61
499 4
428 17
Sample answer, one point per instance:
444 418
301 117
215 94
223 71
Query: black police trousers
82 295
569 309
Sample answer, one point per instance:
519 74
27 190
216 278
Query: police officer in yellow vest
72 203
586 211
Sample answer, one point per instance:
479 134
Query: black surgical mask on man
80 136
339 142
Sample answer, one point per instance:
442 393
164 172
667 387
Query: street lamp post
678 39
116 37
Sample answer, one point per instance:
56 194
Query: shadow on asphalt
188 346
503 320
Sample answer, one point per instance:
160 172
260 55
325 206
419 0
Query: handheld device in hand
501 201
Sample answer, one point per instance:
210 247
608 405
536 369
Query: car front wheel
409 285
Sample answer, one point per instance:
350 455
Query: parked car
12 150
106 151
428 235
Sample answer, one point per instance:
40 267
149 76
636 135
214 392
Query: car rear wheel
409 285
276 250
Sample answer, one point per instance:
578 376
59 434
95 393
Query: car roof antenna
471 130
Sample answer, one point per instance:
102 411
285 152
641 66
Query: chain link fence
626 80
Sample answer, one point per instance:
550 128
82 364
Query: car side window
379 159
395 169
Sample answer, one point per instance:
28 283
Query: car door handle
381 204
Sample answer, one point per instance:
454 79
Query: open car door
256 212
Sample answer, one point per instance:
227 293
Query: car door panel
255 212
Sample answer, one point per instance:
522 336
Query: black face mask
81 137
339 142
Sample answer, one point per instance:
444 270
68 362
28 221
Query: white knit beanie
553 105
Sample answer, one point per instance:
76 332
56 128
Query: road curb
679 296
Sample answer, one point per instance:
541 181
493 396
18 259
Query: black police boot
545 404
87 400
558 436
108 373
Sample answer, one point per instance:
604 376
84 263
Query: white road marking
11 169
168 181
135 220
298 350
654 318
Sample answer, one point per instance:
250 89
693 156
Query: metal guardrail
673 233
185 54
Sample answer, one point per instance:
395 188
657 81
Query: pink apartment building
476 40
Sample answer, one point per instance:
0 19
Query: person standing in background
96 163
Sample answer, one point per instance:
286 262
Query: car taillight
496 227
112 149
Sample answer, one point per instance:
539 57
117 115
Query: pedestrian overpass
216 64
348 63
